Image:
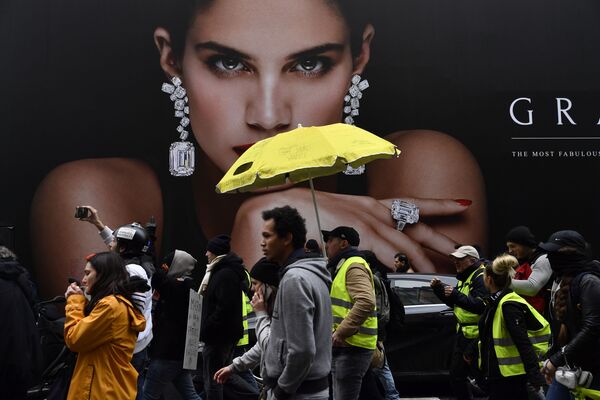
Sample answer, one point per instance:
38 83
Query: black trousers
511 388
460 370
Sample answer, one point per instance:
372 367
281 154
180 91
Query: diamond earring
181 153
351 105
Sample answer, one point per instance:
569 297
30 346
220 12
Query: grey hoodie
299 346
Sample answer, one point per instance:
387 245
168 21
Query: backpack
383 305
396 307
390 309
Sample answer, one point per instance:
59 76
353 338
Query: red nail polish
464 202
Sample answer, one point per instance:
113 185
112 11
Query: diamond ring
404 212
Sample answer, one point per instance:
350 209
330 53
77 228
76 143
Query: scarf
570 263
209 268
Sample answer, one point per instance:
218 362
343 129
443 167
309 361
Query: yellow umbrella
303 154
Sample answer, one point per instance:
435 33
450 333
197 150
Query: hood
234 262
137 322
317 266
182 265
11 270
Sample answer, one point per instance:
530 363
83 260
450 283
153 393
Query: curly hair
288 220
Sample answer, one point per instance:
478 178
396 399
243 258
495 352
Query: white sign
190 356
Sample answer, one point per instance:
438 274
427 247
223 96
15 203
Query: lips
240 149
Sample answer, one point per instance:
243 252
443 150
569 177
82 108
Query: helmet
132 238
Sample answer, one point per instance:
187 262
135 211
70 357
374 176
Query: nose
268 109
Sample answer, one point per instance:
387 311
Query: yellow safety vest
509 359
582 393
247 312
341 304
466 320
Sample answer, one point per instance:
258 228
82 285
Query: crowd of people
528 322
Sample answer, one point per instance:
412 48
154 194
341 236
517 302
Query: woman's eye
231 64
312 66
227 64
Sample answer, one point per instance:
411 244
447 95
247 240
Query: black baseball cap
561 239
343 232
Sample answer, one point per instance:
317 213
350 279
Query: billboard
493 105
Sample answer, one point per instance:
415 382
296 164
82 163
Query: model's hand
258 301
371 218
223 374
93 218
73 289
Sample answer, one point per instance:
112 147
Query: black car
421 349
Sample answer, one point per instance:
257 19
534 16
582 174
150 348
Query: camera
573 377
82 212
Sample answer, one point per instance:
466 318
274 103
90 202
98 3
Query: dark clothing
518 319
170 316
459 369
583 325
474 301
19 339
222 302
512 387
215 357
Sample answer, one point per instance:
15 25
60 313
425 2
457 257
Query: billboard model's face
253 69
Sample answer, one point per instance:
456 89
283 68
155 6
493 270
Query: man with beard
467 300
354 316
534 272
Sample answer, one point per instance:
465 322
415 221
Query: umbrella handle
312 191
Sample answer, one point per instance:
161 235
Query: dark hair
402 257
288 220
111 278
313 246
176 16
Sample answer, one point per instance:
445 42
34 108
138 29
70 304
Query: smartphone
82 212
74 280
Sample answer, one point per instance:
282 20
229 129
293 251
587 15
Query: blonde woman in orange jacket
103 331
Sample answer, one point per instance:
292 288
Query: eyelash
215 63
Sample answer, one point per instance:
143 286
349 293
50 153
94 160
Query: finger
433 207
420 232
430 238
390 241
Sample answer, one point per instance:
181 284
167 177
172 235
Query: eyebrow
212 45
230 51
317 50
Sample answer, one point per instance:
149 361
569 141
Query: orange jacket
104 340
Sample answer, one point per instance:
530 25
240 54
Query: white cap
464 251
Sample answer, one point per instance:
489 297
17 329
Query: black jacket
474 301
222 302
583 325
19 340
170 316
517 319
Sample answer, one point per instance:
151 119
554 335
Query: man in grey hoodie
298 357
